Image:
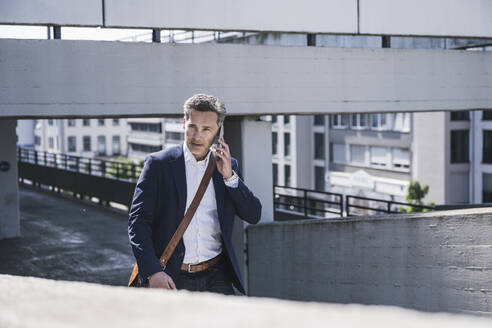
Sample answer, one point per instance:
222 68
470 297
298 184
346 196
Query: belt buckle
189 268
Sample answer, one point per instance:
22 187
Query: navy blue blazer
159 204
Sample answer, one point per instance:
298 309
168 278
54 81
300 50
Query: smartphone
219 135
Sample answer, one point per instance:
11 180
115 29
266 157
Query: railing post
45 163
89 168
347 206
117 170
77 164
103 169
341 205
133 172
389 207
274 211
305 204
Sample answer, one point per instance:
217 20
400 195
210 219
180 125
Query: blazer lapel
219 187
179 174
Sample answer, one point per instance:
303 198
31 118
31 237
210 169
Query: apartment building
91 137
147 135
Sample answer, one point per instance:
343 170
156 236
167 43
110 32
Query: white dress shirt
202 238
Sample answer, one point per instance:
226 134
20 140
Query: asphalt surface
66 239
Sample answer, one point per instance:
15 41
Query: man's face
200 130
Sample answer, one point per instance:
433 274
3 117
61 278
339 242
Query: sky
97 33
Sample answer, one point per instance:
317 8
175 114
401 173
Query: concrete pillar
250 141
430 162
9 193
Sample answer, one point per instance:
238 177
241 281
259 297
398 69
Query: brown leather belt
202 265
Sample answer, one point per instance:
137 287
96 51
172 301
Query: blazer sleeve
247 205
141 217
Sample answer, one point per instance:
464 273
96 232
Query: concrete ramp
37 302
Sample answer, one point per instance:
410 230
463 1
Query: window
338 153
275 174
462 115
339 121
51 142
37 140
486 188
401 158
380 156
402 122
319 120
486 115
101 145
86 122
72 146
359 121
286 119
286 144
274 143
357 154
144 148
149 127
116 121
50 122
459 146
116 145
380 121
71 122
87 143
274 118
174 136
100 121
319 146
287 175
319 178
487 147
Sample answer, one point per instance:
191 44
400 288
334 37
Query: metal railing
83 177
178 36
85 165
380 206
297 203
309 203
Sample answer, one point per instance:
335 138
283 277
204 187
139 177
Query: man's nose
196 135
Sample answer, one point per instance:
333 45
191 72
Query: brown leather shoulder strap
168 251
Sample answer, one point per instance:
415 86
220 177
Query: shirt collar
189 158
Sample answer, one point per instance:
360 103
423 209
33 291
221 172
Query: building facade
94 137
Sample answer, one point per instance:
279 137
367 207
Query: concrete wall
437 261
424 17
336 16
91 78
36 302
391 17
58 12
9 190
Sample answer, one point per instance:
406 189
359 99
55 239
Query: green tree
124 168
415 194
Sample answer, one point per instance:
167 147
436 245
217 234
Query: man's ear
184 122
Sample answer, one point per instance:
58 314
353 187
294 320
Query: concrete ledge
465 213
435 261
35 302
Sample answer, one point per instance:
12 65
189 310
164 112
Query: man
204 259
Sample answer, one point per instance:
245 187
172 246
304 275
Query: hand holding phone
215 142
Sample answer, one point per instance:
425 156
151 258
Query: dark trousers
216 279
